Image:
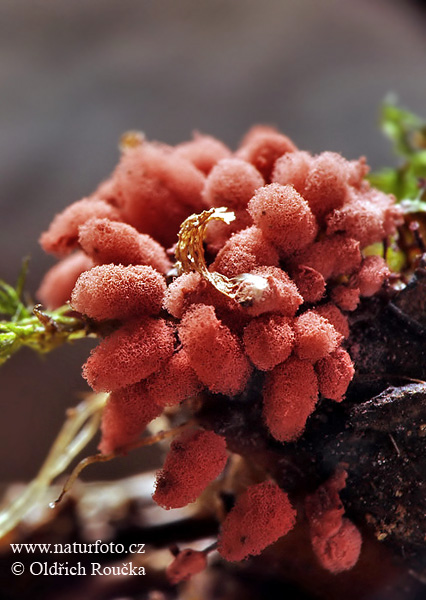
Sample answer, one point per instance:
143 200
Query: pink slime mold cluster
301 224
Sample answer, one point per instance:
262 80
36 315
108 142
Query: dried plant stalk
244 289
80 427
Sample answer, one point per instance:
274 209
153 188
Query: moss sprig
407 181
31 325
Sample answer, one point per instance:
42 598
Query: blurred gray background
75 75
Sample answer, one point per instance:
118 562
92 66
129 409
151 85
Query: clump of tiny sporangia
269 260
